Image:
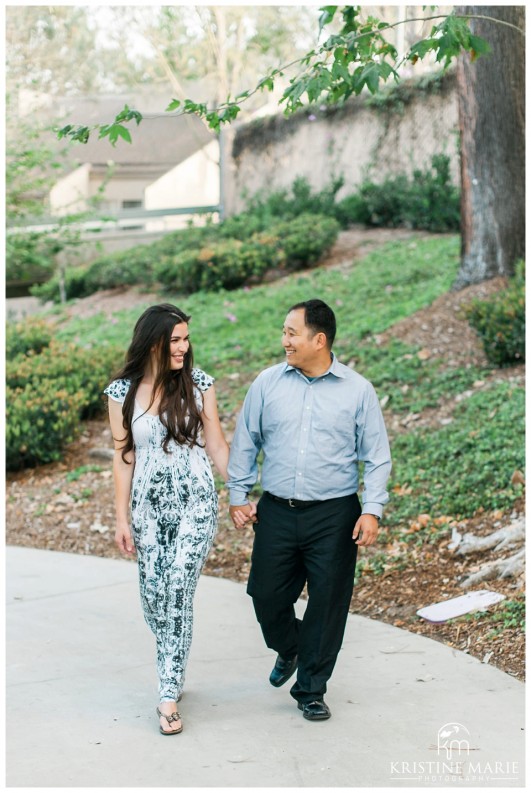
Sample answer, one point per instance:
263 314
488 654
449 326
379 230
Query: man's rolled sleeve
245 446
374 451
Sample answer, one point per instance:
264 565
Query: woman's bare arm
216 445
123 477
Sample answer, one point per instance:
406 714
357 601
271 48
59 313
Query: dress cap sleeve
201 379
117 390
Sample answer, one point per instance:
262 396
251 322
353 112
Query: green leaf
174 105
62 133
124 133
326 17
386 70
371 75
349 14
81 134
340 72
421 49
268 83
479 45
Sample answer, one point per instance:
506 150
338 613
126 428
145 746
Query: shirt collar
334 368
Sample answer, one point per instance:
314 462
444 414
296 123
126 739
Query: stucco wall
194 182
356 141
70 193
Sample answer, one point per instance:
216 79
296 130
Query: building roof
161 141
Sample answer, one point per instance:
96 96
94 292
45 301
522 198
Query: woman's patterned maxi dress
174 517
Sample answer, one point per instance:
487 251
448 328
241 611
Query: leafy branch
356 57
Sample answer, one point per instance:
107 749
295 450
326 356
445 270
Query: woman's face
179 345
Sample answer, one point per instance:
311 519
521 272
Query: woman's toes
167 709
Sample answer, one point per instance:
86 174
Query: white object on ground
455 607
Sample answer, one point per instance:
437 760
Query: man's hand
366 530
241 515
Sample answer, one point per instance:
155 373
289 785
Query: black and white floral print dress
174 509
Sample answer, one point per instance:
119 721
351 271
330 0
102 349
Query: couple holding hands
315 420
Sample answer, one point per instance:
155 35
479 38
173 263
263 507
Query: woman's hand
124 539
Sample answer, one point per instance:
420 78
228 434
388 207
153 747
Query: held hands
124 540
241 515
366 530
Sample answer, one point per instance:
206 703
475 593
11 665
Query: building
147 174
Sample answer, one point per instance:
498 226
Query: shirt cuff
371 508
238 499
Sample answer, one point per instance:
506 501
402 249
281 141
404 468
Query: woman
164 421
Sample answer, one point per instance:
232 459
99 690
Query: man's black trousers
294 546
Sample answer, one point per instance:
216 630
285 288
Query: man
314 419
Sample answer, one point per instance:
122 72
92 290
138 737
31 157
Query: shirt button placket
303 443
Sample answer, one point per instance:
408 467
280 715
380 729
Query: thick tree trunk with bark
492 125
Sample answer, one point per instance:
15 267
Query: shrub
230 263
302 200
28 336
172 272
263 212
244 225
75 286
352 209
68 366
123 268
29 257
427 201
191 238
39 424
219 266
306 238
48 394
223 265
500 321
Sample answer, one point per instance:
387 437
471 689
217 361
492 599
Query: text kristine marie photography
454 763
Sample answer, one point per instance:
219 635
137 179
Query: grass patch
464 466
409 383
240 331
73 476
509 614
505 615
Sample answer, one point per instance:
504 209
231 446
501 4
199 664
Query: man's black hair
319 318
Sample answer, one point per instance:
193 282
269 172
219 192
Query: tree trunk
492 125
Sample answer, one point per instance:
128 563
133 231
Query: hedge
500 321
48 394
231 263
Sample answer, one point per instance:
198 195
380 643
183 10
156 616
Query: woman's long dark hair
178 410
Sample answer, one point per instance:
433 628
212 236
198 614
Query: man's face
299 345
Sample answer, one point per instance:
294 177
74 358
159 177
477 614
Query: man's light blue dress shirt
313 434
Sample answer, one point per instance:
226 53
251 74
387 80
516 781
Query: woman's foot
170 718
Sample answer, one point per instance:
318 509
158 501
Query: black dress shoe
282 670
315 711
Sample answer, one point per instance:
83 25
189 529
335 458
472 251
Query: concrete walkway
81 696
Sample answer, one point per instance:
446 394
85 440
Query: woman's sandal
176 716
